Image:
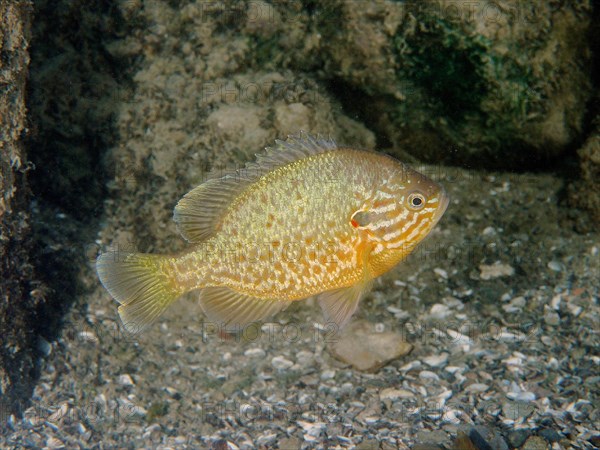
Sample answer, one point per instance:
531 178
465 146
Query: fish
307 218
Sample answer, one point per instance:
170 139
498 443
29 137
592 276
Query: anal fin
340 304
234 309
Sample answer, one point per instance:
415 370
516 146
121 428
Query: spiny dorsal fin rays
199 213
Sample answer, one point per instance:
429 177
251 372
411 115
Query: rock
88 336
173 393
426 375
125 380
518 437
550 435
54 443
441 273
293 117
267 439
439 311
289 442
359 346
399 62
516 410
367 444
432 439
595 440
487 438
477 387
44 346
556 266
395 394
436 360
496 270
327 375
535 443
522 396
312 431
255 353
304 357
552 318
585 192
515 305
427 446
280 363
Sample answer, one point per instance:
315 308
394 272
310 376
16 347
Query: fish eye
416 201
360 219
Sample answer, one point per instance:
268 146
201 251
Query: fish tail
145 285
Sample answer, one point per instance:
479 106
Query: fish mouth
443 205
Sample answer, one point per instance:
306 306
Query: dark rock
585 192
517 438
486 438
535 443
550 435
428 447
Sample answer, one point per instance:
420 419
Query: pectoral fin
340 304
233 309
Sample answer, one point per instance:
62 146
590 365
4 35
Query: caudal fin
141 283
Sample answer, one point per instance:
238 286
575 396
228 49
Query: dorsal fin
199 212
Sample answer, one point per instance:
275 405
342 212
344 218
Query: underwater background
485 337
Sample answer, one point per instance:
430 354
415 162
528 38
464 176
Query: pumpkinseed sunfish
308 218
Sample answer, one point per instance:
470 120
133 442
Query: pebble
555 266
487 438
515 305
280 363
441 273
496 270
488 231
289 442
54 443
312 431
426 375
535 443
522 396
516 410
552 318
255 353
172 392
366 350
439 311
573 309
436 360
516 438
304 358
125 380
550 435
477 387
327 375
180 440
460 339
267 439
395 394
347 387
88 336
44 346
